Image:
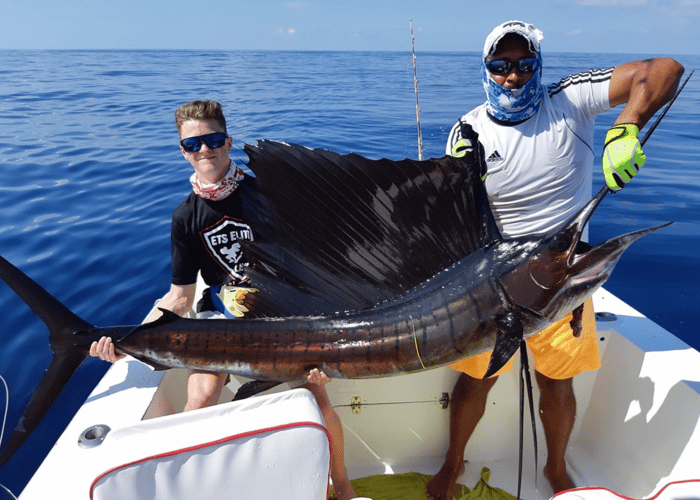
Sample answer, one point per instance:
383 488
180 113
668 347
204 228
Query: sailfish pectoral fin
508 337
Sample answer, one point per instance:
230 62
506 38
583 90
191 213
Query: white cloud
287 32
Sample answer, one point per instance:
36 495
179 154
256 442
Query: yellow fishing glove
462 147
622 155
233 298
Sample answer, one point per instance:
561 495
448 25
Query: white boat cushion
269 447
677 490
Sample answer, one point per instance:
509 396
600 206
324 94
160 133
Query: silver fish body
512 289
454 314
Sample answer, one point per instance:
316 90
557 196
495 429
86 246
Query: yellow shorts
556 352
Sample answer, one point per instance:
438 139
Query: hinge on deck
444 400
356 404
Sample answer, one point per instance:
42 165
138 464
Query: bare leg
467 406
558 413
341 483
204 389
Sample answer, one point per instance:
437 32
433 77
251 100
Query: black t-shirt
205 235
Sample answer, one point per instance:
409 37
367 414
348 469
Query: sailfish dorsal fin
336 232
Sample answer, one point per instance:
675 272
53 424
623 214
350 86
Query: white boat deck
637 428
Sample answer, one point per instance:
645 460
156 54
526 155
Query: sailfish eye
559 245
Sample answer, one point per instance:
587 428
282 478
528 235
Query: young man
538 145
205 234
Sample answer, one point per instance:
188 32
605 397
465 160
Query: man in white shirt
538 145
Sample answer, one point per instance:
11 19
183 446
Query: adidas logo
494 157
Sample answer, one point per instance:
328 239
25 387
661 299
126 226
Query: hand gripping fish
365 268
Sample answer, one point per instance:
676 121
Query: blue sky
627 26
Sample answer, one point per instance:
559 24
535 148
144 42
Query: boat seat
677 490
273 446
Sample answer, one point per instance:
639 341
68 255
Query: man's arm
645 86
179 300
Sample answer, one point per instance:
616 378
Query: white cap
526 30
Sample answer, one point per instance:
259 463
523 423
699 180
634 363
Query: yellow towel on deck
411 486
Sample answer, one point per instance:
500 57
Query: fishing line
415 341
2 428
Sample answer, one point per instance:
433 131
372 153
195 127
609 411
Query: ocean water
90 173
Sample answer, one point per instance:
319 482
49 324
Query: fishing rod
663 113
415 89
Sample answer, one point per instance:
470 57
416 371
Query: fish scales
430 326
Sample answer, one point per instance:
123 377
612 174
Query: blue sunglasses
213 141
502 67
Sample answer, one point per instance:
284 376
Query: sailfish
364 268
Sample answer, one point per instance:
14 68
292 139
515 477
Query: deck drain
93 436
605 316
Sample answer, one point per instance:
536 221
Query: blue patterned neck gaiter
513 105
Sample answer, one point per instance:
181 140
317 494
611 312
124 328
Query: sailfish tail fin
59 372
67 356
